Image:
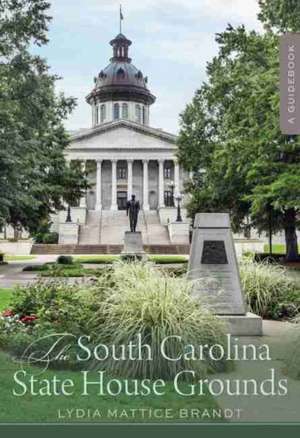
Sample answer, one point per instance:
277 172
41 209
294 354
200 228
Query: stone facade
126 160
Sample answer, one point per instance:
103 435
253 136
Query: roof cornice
158 133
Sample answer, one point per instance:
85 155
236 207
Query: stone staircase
157 234
89 234
114 224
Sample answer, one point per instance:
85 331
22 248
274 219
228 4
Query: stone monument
213 266
133 241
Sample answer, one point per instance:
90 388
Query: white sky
172 42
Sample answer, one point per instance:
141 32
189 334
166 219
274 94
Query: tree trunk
292 254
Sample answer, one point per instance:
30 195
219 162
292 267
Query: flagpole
120 18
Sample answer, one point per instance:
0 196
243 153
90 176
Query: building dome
121 80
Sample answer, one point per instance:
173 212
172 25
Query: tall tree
230 136
281 15
35 179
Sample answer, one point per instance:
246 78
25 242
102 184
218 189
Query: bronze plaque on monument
213 265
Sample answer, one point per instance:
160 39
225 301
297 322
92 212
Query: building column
161 188
99 185
176 178
114 205
83 199
145 186
129 179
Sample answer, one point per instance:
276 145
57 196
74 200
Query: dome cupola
121 88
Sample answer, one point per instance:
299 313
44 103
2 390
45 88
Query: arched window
116 111
97 115
144 115
102 113
138 114
125 111
121 73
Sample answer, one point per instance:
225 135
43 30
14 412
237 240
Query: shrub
69 271
168 259
142 300
47 238
50 238
269 290
98 259
37 268
57 306
44 234
64 260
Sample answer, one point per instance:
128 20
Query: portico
120 179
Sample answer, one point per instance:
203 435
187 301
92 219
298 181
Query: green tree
35 179
281 15
230 137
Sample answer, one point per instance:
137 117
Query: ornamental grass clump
147 303
270 292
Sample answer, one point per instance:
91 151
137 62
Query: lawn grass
5 297
97 259
277 248
16 258
37 408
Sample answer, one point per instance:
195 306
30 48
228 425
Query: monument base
133 247
243 325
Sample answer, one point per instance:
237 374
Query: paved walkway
12 274
278 336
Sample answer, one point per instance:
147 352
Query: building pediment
122 135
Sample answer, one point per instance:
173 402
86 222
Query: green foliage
168 259
230 137
34 176
64 260
37 268
143 300
270 291
5 298
282 15
69 271
59 306
43 233
97 259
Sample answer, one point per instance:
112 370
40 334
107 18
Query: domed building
123 155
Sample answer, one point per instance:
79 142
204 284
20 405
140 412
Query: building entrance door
122 200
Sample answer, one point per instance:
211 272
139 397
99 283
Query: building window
138 114
121 74
125 111
116 111
102 113
144 115
167 172
97 115
122 172
169 201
